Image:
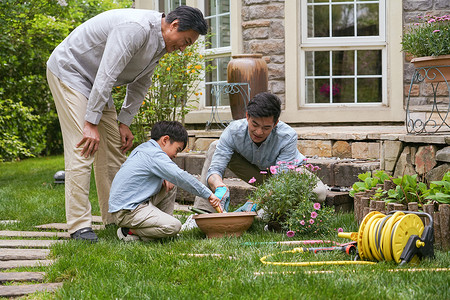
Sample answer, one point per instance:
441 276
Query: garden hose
399 236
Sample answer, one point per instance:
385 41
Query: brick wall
422 94
263 32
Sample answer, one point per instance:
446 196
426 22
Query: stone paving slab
97 219
33 234
12 264
182 207
21 276
20 290
28 243
22 254
63 226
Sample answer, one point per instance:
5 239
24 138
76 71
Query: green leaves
439 190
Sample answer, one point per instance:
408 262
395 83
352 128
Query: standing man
117 47
249 146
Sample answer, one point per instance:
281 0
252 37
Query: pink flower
316 205
340 229
313 215
431 20
273 169
311 221
263 172
299 170
291 167
302 222
252 180
290 233
437 30
315 168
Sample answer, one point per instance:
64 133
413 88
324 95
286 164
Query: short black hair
188 18
264 105
174 129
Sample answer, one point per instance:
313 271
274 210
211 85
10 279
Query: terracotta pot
224 224
431 67
251 69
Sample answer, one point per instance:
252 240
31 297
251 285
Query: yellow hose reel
399 236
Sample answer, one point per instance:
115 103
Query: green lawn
112 269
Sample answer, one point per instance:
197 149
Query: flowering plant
288 187
308 217
428 37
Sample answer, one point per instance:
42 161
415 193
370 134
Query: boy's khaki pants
71 107
152 219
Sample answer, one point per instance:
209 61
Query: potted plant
428 41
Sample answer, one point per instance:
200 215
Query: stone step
29 243
22 254
12 264
25 289
33 234
21 276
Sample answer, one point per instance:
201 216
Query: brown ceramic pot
224 224
246 68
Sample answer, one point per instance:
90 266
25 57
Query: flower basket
433 68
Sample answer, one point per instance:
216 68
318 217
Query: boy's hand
214 200
223 193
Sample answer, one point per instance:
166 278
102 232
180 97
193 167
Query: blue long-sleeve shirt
142 175
280 145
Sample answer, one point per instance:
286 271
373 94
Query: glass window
168 5
343 45
347 76
218 48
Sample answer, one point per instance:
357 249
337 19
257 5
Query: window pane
343 90
224 29
317 63
343 20
369 62
369 90
224 7
316 91
368 20
318 21
343 62
216 76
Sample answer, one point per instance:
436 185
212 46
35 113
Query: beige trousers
152 219
243 169
71 107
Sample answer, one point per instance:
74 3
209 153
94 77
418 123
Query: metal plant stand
230 89
437 119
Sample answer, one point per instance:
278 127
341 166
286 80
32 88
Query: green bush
22 132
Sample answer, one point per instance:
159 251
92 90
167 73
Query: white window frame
351 44
391 109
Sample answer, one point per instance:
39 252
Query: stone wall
422 94
263 33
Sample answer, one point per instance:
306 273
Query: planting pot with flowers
288 199
428 41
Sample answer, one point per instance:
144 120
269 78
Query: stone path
26 249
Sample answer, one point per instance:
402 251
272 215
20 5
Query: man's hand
91 139
167 185
223 193
127 138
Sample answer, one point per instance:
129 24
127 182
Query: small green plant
408 189
439 190
288 187
368 182
430 36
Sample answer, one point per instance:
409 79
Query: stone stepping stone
24 289
21 276
33 234
12 264
22 254
64 227
28 243
182 207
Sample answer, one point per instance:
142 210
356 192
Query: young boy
142 195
